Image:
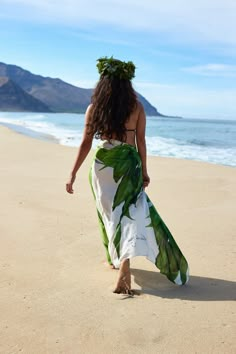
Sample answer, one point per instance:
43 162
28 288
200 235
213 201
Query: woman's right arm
83 151
141 143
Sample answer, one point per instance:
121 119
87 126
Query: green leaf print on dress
130 224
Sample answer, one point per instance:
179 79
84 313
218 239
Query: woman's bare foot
123 285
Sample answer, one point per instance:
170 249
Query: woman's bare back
131 127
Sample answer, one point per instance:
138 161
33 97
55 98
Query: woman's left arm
83 151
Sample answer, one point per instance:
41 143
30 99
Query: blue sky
184 51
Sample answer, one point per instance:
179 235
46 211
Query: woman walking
130 225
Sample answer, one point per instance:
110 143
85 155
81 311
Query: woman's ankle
125 260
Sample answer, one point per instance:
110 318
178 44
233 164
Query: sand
56 293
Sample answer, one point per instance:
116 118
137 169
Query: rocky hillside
56 94
14 98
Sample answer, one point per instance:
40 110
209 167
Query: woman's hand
146 180
69 185
83 150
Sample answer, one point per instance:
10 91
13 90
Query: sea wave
169 147
64 136
68 130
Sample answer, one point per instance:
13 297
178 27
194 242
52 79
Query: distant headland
20 90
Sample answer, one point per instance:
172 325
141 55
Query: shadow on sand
197 289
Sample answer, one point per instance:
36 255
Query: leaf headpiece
113 67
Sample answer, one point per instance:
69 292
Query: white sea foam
168 147
68 130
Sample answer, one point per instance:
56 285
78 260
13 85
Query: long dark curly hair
113 101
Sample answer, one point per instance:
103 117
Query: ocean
209 140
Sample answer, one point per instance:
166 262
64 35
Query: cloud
221 70
97 38
176 20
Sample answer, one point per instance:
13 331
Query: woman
129 223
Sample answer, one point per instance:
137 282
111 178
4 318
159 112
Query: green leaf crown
113 67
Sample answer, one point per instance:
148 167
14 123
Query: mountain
56 94
14 98
149 109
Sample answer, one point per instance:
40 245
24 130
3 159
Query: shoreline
50 138
56 293
30 133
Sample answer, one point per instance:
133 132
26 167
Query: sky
184 50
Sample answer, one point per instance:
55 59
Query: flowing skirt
130 224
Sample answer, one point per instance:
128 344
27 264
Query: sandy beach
56 292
